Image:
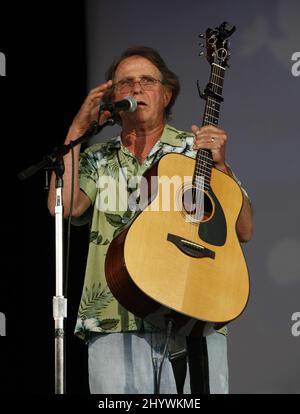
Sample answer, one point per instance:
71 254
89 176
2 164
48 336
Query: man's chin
140 116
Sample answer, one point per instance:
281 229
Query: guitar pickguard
214 230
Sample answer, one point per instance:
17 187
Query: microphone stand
55 161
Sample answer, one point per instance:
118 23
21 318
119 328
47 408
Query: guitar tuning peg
201 44
201 35
201 53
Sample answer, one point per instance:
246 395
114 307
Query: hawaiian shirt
101 166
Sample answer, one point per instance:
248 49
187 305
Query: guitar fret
213 108
210 121
206 177
218 76
219 79
203 170
214 65
200 180
213 111
211 115
206 187
205 160
214 104
218 88
204 153
202 185
216 84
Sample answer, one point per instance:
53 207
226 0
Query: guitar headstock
217 45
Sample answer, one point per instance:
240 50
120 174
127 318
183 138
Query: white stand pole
59 302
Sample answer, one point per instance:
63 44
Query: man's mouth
141 103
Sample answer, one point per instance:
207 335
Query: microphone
127 104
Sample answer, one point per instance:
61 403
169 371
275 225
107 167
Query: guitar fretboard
204 160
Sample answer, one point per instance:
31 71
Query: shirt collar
170 136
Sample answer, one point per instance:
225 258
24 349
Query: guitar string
202 171
204 157
204 160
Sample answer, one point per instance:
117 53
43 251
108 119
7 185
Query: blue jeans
122 363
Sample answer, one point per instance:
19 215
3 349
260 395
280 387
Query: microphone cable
156 361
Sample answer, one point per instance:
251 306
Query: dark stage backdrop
53 57
44 86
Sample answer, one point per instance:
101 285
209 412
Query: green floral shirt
99 311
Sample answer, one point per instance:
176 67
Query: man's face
151 102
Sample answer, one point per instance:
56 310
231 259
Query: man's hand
89 110
214 139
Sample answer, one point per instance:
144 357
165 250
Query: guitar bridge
190 248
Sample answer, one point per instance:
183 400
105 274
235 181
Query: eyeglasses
146 82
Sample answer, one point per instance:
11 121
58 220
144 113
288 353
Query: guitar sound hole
197 204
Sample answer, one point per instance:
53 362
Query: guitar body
167 266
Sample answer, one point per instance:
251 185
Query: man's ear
167 96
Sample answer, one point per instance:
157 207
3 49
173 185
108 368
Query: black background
44 87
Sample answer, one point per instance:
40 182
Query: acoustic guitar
185 263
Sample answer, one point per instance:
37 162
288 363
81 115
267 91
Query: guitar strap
178 358
198 364
195 353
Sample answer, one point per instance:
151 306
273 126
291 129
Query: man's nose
136 87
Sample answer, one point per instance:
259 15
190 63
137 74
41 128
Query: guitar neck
213 105
214 90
